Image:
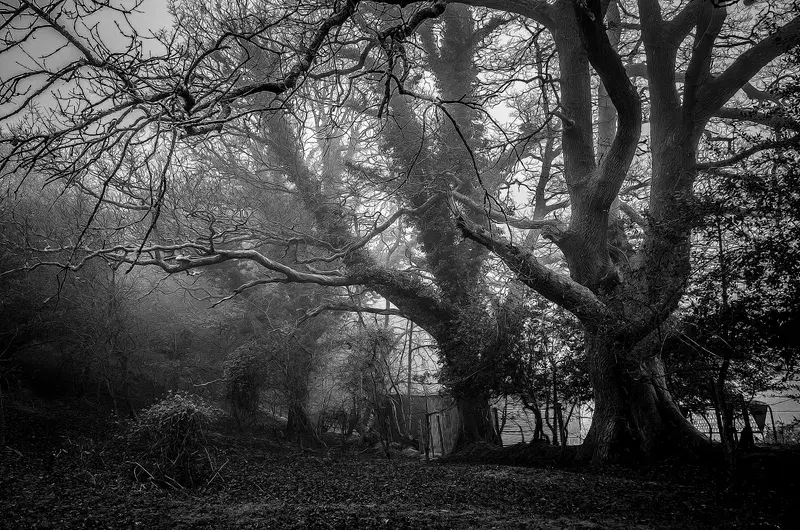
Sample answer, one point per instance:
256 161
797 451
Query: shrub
168 441
245 378
790 433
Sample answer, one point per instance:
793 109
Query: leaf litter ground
64 467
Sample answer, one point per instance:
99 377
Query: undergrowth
168 443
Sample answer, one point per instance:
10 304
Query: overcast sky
47 46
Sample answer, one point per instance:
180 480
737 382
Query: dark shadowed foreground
65 467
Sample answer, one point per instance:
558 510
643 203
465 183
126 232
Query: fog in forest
430 264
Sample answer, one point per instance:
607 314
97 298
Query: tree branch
350 308
634 216
377 229
516 222
557 288
715 93
776 120
681 24
537 10
794 141
249 285
607 63
661 52
304 63
709 24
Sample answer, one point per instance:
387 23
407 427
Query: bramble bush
168 441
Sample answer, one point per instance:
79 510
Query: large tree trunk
635 416
298 424
475 417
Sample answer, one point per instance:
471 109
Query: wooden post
441 434
410 350
558 420
421 438
429 431
497 427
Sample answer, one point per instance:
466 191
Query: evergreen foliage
245 378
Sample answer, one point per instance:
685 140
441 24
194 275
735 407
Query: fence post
441 433
423 439
497 427
432 444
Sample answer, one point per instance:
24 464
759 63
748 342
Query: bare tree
123 131
623 303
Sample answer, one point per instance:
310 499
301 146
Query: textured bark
538 430
476 421
620 302
455 263
298 424
635 416
620 299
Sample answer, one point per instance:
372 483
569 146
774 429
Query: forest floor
63 467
